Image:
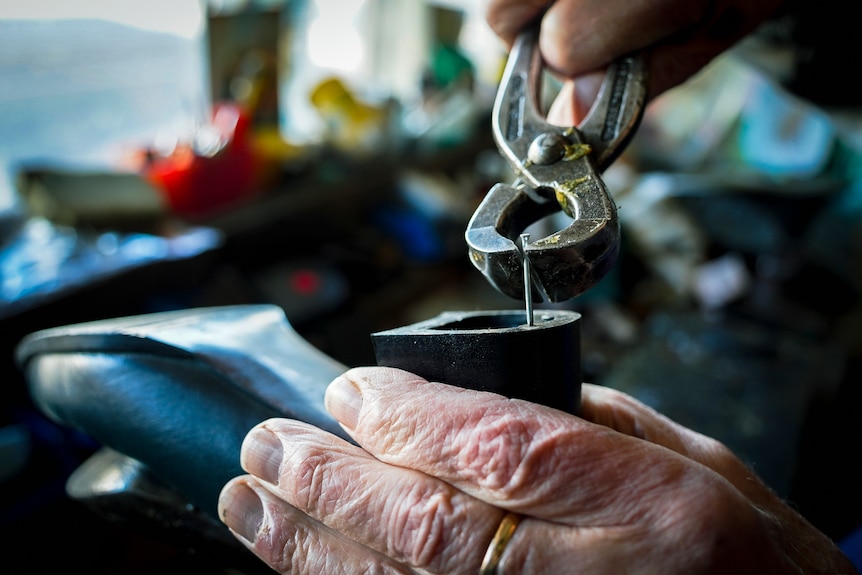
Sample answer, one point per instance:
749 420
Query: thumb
575 99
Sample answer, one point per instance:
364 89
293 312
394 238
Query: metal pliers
557 169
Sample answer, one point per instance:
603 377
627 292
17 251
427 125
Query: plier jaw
557 169
563 265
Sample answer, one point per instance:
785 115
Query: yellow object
351 123
504 534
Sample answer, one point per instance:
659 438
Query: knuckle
309 482
505 454
421 525
282 546
294 553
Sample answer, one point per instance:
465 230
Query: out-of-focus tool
557 168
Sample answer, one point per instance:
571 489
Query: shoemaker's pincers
557 169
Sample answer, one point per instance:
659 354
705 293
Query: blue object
415 233
852 547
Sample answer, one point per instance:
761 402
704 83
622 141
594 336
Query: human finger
290 541
416 519
574 99
617 410
605 501
581 36
508 17
510 453
668 67
353 512
679 37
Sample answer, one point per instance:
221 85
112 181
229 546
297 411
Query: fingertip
226 491
551 46
575 99
346 394
371 377
507 18
251 435
241 509
565 48
562 110
262 454
343 399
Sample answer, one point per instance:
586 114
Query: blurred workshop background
325 156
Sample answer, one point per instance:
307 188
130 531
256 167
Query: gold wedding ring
498 543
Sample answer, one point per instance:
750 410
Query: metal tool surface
557 169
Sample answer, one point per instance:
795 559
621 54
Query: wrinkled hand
579 38
620 490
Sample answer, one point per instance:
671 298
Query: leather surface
178 391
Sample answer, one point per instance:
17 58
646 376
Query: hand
436 468
579 38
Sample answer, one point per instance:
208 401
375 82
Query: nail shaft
528 279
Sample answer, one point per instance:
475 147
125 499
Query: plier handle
557 169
